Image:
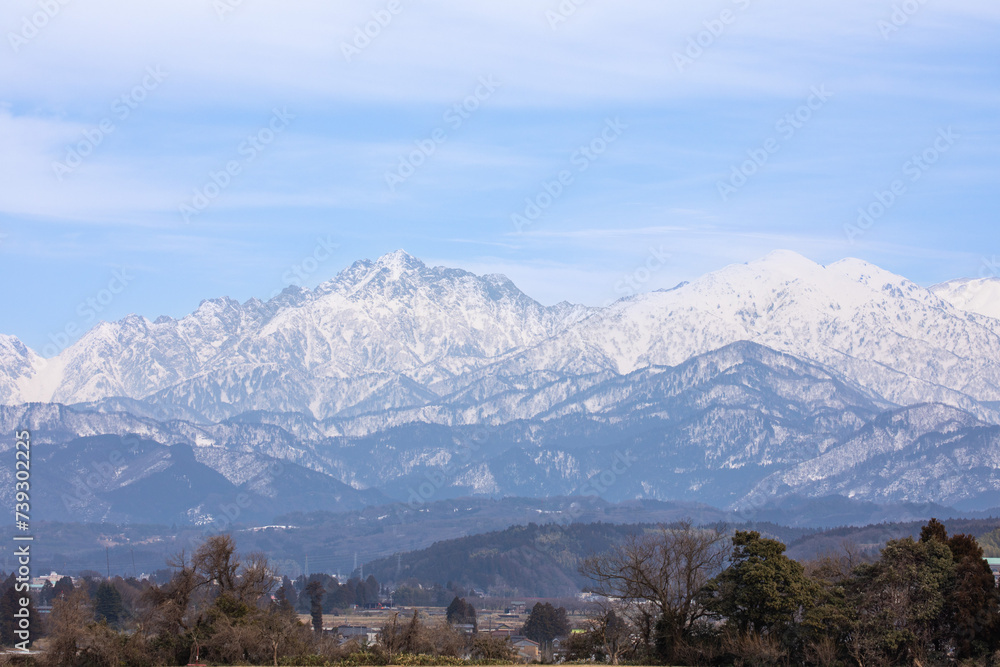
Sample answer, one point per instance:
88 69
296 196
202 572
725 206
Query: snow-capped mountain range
773 377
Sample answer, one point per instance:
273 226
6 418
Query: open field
489 619
376 617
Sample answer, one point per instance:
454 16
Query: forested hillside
533 560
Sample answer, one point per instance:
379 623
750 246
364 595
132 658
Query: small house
359 632
526 649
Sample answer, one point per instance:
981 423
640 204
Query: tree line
223 607
679 594
688 595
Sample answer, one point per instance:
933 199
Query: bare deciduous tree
392 637
665 569
611 630
493 649
246 581
67 626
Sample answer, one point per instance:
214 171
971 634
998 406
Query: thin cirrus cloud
601 52
359 117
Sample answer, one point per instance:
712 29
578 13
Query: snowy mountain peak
216 305
976 295
398 262
365 275
866 273
779 367
787 262
879 329
394 333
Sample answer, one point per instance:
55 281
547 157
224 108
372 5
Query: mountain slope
880 330
916 453
19 364
378 333
708 429
399 380
395 335
976 295
127 479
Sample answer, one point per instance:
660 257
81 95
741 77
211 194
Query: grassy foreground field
489 619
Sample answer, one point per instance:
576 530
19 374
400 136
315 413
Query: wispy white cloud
430 50
326 173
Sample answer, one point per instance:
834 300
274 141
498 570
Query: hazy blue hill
533 560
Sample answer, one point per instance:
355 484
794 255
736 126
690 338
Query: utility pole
132 551
107 555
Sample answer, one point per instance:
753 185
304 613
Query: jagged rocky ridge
757 381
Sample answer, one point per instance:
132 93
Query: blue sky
487 102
